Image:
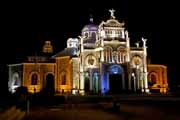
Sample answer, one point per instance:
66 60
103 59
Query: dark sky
27 25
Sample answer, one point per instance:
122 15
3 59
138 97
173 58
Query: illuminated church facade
99 61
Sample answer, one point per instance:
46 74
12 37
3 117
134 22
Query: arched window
86 34
121 54
16 80
124 57
108 54
34 79
63 78
93 35
153 79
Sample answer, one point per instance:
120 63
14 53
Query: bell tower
47 48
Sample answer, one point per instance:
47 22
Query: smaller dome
90 27
90 31
72 42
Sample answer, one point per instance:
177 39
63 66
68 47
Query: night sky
27 25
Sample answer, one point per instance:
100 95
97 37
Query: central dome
90 31
90 27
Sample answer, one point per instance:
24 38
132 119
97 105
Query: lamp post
134 81
137 62
81 71
146 90
100 49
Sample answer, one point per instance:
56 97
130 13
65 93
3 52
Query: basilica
99 61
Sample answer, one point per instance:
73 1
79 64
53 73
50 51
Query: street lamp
81 71
134 81
100 49
146 89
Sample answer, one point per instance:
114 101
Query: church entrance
49 87
116 79
115 83
87 84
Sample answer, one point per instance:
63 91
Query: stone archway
16 81
95 82
153 76
116 79
87 83
49 83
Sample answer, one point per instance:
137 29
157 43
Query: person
34 90
116 106
22 97
104 91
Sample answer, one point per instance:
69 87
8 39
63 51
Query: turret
47 48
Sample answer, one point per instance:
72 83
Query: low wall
12 114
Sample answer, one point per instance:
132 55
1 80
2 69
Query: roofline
63 57
17 64
37 63
156 65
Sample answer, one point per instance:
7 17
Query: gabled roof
67 52
136 48
111 23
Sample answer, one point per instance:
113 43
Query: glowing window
86 34
16 80
63 78
153 79
93 34
34 79
114 69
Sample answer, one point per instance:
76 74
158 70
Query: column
134 80
123 81
102 55
100 77
81 84
109 55
120 57
122 32
102 50
117 55
91 79
10 78
128 46
129 81
138 79
81 87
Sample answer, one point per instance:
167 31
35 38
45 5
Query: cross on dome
91 18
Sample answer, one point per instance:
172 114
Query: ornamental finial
144 41
91 18
112 13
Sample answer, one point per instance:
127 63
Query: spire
137 44
91 18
